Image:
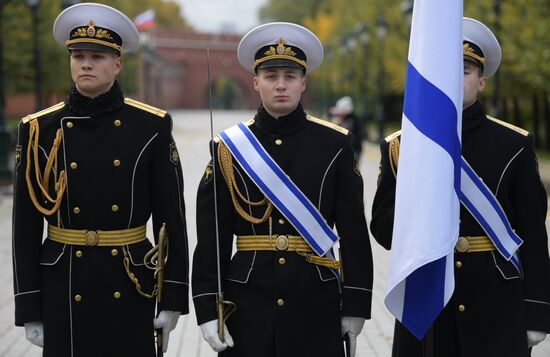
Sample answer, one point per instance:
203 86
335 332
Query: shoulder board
392 136
146 107
217 139
249 123
508 125
328 124
36 115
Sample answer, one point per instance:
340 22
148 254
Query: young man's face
473 83
280 89
94 72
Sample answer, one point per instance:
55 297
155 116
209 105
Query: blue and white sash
279 188
485 208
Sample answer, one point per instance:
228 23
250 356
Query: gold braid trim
394 155
226 165
43 179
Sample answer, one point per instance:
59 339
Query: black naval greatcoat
285 305
498 307
122 167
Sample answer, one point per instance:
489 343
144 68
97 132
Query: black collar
472 117
287 124
108 102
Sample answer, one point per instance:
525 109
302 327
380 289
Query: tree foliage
17 32
355 68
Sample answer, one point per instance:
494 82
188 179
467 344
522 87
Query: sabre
224 308
161 257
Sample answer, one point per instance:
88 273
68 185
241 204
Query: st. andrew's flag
427 206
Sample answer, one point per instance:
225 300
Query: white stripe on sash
279 188
485 208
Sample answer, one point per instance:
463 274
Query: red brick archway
174 71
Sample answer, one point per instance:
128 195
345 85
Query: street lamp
381 33
363 38
33 5
5 174
496 78
407 9
343 53
68 3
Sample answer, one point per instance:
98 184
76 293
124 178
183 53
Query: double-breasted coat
122 167
492 307
285 305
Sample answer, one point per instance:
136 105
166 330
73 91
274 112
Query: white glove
352 326
210 334
535 337
166 320
34 332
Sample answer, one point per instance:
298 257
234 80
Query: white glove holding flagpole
352 326
34 332
535 337
167 321
210 334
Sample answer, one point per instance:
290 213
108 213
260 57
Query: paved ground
191 130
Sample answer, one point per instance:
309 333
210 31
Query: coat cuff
356 301
28 307
538 315
175 297
205 307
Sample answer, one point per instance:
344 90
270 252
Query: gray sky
215 15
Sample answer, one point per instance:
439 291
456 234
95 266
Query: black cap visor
92 47
279 63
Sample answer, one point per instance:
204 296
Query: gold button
77 298
281 243
278 142
76 210
461 308
114 208
70 124
280 302
282 261
462 245
116 295
116 162
114 252
74 165
118 122
78 253
281 221
458 264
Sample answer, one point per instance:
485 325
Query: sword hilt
225 309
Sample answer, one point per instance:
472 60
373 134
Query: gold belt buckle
281 242
462 245
91 238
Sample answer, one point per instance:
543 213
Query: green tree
523 33
54 59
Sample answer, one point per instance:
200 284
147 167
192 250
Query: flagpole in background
421 279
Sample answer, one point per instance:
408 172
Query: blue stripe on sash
491 198
511 256
272 197
314 212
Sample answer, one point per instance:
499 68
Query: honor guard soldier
278 184
96 168
495 310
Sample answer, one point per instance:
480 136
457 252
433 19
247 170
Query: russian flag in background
145 20
427 206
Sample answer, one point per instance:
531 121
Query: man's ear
304 84
482 83
256 82
118 65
